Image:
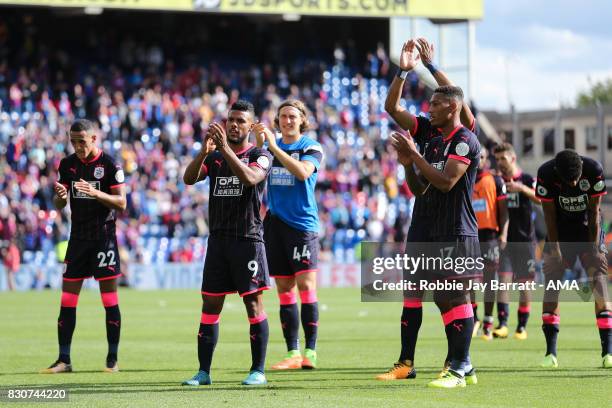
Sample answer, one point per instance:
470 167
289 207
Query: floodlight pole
471 52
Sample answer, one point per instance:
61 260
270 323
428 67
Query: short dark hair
568 165
503 148
81 125
451 91
243 106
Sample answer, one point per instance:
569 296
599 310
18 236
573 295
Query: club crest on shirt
99 172
584 185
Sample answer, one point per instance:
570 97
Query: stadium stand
152 112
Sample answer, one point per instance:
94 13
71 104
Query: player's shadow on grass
347 370
551 375
216 387
526 370
322 370
76 372
175 386
80 388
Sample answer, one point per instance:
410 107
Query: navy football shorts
99 259
234 266
290 252
519 260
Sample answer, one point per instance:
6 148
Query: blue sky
540 53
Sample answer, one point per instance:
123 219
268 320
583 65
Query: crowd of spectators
152 115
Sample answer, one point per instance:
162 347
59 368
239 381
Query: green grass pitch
356 342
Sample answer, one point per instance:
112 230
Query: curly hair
243 106
568 165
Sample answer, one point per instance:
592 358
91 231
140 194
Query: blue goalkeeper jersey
290 199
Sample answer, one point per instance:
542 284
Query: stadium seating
153 125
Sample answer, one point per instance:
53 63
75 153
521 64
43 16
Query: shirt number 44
298 256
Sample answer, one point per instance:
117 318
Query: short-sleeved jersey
233 207
521 225
290 199
452 213
90 219
488 190
571 203
423 133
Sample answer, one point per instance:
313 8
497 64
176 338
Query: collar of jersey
94 159
243 150
289 146
451 134
514 177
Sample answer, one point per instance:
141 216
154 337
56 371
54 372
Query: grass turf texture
356 342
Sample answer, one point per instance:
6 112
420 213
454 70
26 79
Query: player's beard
506 171
237 140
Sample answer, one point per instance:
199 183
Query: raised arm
408 60
300 169
426 51
194 171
